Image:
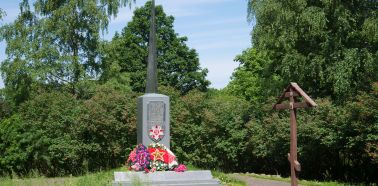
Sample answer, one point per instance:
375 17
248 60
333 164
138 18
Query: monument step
168 178
213 182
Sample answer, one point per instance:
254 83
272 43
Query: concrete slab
169 178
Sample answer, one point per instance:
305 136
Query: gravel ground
258 182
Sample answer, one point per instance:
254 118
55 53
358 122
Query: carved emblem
156 120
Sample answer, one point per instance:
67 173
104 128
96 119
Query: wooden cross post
293 91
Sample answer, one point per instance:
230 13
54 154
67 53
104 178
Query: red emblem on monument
156 133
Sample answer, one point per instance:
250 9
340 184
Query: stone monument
153 108
153 127
153 119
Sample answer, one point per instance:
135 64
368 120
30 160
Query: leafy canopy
178 65
328 47
56 44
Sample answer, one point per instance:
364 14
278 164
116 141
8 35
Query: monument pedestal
153 113
169 178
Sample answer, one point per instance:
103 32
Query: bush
108 126
44 128
56 134
334 141
208 130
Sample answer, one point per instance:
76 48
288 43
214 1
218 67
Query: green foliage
108 125
56 118
13 153
55 45
253 80
343 140
2 14
56 134
16 72
334 142
5 107
208 131
178 65
328 47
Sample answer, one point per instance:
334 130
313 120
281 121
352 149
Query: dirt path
258 182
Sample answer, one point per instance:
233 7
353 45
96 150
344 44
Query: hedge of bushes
58 134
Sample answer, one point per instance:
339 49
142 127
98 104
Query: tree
55 45
4 106
178 66
252 80
2 13
328 47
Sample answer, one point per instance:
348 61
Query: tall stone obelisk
153 108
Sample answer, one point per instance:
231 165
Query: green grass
106 178
224 178
227 180
93 179
301 182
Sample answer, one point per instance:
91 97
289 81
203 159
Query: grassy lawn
93 179
227 180
301 182
99 178
106 178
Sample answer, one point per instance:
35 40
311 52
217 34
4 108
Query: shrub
57 134
208 131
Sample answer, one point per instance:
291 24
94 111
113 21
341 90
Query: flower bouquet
155 157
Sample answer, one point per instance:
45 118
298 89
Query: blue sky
217 29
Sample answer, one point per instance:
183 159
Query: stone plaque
156 120
156 112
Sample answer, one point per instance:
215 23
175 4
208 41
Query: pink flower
153 169
180 168
136 167
132 156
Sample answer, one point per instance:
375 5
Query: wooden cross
293 91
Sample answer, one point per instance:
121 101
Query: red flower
146 170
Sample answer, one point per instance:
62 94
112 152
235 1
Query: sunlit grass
93 179
106 177
227 180
301 182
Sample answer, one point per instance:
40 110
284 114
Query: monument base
168 178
